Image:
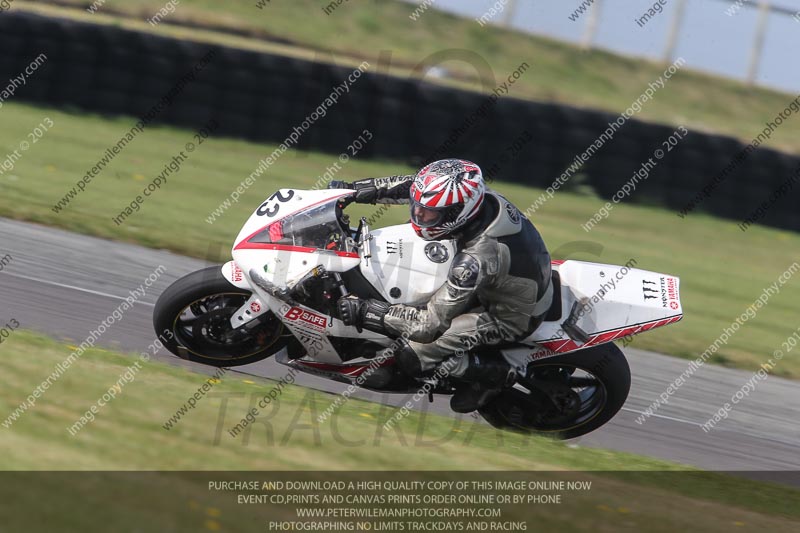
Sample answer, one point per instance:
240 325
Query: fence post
508 16
674 32
591 25
758 42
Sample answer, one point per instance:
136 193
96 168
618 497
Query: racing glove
388 190
366 189
363 314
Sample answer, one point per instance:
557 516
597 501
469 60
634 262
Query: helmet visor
429 217
425 217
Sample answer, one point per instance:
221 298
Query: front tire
590 387
192 319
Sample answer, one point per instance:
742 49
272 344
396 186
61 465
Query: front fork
254 307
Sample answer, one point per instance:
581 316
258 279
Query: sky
709 39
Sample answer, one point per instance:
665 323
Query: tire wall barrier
262 97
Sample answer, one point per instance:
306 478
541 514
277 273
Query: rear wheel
565 396
196 311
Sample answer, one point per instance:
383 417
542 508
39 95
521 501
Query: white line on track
73 287
748 432
663 416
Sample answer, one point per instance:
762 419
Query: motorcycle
297 255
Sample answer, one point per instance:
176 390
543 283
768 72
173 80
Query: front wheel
192 318
565 396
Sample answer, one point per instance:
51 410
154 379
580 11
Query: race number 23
273 204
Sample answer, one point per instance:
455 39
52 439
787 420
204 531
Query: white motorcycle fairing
605 303
284 240
405 268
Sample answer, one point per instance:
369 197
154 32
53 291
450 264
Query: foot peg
471 397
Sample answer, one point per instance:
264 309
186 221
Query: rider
498 289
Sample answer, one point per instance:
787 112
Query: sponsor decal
541 354
255 307
395 247
297 314
308 328
650 293
672 292
463 274
237 275
437 252
313 344
404 313
669 293
513 213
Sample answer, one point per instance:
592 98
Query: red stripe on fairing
557 261
289 248
568 345
559 346
345 370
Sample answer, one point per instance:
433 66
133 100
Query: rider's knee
408 361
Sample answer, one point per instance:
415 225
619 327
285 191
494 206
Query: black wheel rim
579 396
203 328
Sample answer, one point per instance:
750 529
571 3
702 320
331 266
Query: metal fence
765 8
759 34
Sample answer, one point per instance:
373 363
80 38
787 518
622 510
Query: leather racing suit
498 288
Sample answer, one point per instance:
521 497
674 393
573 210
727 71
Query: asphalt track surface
64 284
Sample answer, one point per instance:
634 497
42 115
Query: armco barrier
262 97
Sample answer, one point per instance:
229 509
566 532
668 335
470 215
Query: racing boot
484 378
398 376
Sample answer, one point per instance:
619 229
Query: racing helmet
445 196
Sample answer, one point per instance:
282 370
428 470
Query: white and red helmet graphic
445 196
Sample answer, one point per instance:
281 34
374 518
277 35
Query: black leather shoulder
464 271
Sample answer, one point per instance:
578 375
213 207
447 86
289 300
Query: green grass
127 434
722 270
560 72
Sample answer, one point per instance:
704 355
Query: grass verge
128 434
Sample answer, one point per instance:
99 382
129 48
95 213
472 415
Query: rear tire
192 318
514 409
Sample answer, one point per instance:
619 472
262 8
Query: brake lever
347 200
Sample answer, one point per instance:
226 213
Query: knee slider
407 360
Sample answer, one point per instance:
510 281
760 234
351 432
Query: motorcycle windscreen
287 248
316 227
